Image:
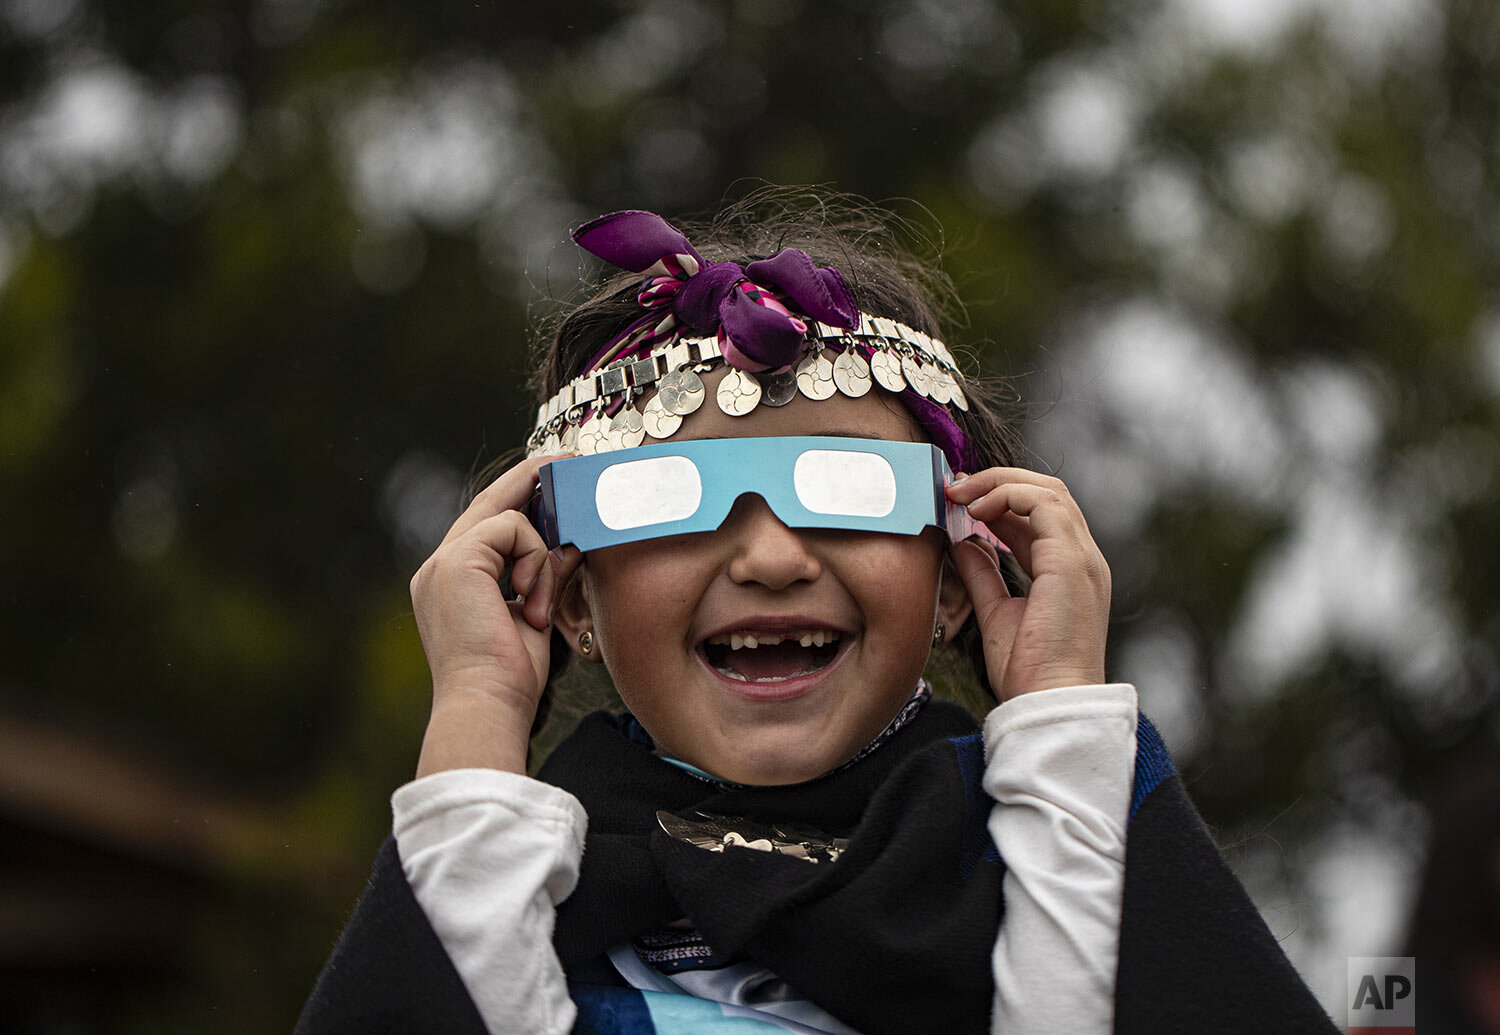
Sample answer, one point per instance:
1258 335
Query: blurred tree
266 268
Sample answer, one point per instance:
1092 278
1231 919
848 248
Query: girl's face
665 612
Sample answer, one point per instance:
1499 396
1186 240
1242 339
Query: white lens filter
840 481
648 492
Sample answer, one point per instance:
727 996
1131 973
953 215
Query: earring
586 642
937 633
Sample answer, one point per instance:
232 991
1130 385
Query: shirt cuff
1061 704
421 810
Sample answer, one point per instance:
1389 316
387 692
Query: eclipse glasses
672 488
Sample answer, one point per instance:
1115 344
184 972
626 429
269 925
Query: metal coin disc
959 399
886 369
778 389
627 428
815 377
658 421
851 374
570 438
951 383
552 445
739 393
680 391
915 375
939 385
590 435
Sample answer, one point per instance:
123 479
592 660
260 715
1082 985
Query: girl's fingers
528 552
489 656
510 536
1056 635
557 570
981 577
473 637
511 491
535 638
487 547
998 614
1051 511
1016 533
1023 516
1047 533
537 604
973 486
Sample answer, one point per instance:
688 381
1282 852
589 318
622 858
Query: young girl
746 497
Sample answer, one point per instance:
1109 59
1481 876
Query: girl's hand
488 656
1055 636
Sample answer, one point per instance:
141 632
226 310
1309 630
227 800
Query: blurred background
266 270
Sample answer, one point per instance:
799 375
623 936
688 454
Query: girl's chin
777 765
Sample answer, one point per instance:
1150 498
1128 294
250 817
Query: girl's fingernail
557 555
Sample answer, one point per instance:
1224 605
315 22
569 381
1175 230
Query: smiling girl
746 498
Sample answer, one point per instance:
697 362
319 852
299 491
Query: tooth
750 641
807 639
736 641
818 638
767 640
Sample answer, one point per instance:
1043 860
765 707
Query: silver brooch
716 833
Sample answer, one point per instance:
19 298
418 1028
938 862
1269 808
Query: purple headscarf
756 310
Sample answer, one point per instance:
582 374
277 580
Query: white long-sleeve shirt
489 855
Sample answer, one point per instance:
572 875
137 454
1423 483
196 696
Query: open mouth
771 657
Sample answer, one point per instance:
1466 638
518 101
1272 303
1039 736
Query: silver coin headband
599 411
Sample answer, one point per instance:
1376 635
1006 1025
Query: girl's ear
573 617
953 606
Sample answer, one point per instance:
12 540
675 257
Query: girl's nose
765 551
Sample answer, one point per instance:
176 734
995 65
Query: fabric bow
742 304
